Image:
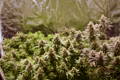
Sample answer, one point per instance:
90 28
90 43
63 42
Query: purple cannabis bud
96 58
92 58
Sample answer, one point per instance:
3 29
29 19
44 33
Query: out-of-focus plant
76 13
55 15
109 8
10 17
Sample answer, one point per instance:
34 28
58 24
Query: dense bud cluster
75 56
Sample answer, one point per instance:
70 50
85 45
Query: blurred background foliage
51 16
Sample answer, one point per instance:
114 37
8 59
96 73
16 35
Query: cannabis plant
72 55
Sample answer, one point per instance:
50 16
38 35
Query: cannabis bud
52 56
100 59
104 48
95 45
68 43
78 37
73 73
57 40
91 32
92 58
117 49
104 22
65 52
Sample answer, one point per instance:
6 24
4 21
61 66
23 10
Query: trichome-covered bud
104 22
52 56
91 32
92 58
62 69
65 52
73 73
